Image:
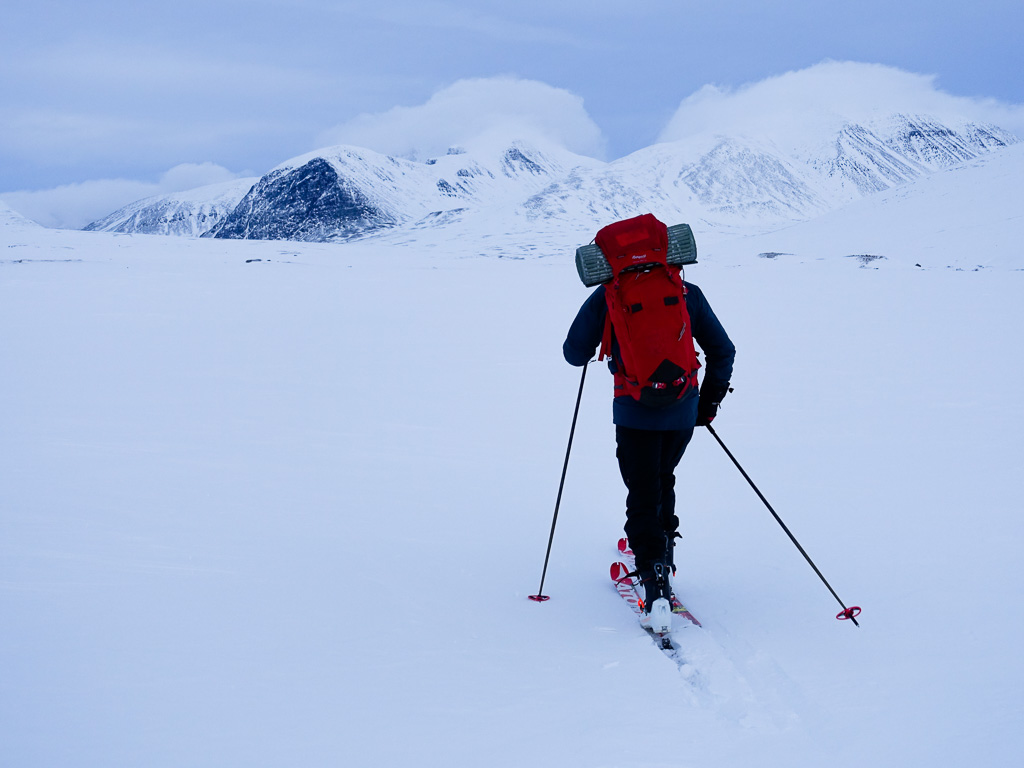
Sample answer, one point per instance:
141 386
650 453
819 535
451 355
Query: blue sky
131 90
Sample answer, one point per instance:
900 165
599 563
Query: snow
227 463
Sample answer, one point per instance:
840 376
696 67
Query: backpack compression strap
631 242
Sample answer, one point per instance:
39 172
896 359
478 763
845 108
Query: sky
105 102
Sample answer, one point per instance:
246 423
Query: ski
627 591
628 560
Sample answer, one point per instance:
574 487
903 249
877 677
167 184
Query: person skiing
653 425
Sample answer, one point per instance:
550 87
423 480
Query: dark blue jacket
585 337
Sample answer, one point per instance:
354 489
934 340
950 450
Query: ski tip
618 572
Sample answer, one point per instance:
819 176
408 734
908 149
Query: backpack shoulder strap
606 339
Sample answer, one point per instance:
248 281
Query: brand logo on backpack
647 333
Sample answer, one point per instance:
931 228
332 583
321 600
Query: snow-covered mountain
722 182
885 152
343 192
743 182
730 183
189 213
966 217
11 220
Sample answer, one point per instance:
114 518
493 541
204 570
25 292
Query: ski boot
670 561
670 551
657 600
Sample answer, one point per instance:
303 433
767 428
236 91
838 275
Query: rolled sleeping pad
594 268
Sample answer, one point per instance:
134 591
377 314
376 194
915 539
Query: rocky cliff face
309 203
869 158
937 145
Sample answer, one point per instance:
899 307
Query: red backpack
647 315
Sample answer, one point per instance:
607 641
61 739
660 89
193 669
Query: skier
651 438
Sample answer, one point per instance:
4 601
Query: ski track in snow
738 684
729 679
721 674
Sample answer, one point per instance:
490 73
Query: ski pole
847 613
540 597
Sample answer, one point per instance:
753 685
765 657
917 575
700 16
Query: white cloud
148 70
832 91
72 206
192 175
509 22
475 110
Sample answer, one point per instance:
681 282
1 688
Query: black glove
707 406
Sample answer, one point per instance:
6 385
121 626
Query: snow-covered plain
272 503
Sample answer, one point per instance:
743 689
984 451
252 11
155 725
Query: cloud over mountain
74 205
789 106
472 111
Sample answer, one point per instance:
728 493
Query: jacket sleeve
585 333
719 352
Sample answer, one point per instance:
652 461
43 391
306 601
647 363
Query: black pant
647 461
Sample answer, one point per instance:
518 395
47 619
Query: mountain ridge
186 213
738 183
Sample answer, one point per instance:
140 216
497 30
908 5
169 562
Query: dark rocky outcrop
311 202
